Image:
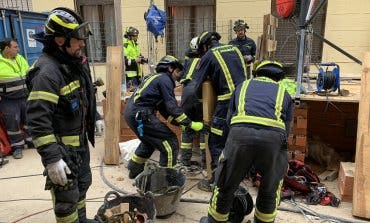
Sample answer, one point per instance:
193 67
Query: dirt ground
23 199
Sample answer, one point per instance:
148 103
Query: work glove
58 172
196 126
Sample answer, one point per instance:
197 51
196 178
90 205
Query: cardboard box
345 180
301 122
300 112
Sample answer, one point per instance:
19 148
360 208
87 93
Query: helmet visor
82 32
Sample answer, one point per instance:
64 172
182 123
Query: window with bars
23 5
99 15
186 19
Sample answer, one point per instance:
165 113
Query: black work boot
134 169
186 157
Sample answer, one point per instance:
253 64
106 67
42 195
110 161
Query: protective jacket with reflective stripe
132 51
246 45
261 102
224 66
189 67
12 77
61 105
156 93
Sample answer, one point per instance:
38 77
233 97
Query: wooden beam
361 188
209 99
113 105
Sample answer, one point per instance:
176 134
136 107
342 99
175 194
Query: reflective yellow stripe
138 159
216 131
169 119
169 153
202 145
131 73
146 83
224 97
43 95
270 217
69 88
44 140
241 61
73 140
243 90
279 102
265 79
185 145
81 204
56 19
224 68
212 209
181 118
68 219
257 120
192 68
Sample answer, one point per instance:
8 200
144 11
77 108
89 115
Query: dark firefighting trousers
156 135
188 135
246 147
14 117
219 131
70 200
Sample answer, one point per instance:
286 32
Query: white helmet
194 43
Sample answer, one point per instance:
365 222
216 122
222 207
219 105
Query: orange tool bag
5 147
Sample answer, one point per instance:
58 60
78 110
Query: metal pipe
4 23
337 48
321 4
310 9
300 54
22 34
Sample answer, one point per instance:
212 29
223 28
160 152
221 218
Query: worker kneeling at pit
259 116
156 93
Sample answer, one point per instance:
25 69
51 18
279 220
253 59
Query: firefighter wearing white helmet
193 111
224 66
259 117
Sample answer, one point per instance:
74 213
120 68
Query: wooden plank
345 181
209 102
113 105
361 189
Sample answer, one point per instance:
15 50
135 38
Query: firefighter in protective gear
61 112
246 45
194 111
156 93
13 95
133 58
224 66
259 116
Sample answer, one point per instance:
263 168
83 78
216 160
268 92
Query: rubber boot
186 157
18 153
134 169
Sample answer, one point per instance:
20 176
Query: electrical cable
109 184
31 175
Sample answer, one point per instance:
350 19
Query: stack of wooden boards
266 43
